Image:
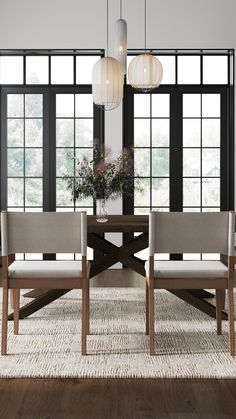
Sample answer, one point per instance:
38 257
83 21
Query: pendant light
107 81
121 41
145 71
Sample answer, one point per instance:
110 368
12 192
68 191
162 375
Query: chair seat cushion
185 269
46 269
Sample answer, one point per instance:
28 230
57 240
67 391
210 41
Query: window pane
188 70
33 132
211 162
191 162
161 105
84 106
15 162
191 256
33 162
15 192
141 105
83 152
160 192
211 209
33 192
15 106
211 192
141 133
141 211
160 132
84 68
63 195
65 132
211 132
160 162
142 162
65 163
211 105
186 209
15 133
215 69
65 105
11 70
191 105
142 198
37 70
168 64
62 70
191 192
84 132
211 256
191 133
86 202
34 105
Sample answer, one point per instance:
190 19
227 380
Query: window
182 135
46 120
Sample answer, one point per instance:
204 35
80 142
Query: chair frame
14 285
219 284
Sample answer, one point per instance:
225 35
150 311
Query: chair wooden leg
88 306
4 321
219 308
231 320
12 299
147 309
84 317
16 303
151 317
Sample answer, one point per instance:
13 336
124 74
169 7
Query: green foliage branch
103 177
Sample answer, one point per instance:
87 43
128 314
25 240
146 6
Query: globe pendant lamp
107 81
121 41
145 71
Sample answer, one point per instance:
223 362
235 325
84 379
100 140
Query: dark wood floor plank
117 399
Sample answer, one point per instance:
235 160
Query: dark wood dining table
111 254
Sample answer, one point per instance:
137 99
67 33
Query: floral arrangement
102 177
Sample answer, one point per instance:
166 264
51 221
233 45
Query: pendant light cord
120 9
145 24
107 29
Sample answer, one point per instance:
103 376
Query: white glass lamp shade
107 83
145 72
121 43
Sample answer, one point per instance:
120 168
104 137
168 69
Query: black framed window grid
48 148
49 67
201 54
78 146
226 146
154 153
203 175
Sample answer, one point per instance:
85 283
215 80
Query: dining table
109 254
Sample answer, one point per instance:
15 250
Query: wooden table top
119 224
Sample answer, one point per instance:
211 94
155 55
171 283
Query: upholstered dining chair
177 232
45 232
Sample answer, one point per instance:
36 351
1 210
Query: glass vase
101 211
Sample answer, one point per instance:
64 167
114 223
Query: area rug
50 340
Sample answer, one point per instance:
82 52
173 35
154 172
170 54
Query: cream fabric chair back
44 232
189 232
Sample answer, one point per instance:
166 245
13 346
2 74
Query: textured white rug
186 342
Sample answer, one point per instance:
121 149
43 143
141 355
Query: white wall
82 23
31 24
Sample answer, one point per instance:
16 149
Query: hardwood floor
117 399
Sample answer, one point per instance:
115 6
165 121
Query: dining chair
47 233
185 232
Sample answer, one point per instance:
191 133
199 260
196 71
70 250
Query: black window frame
176 160
49 92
